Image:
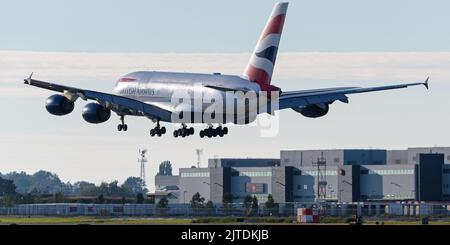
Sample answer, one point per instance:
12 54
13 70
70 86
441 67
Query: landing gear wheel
158 130
213 132
122 125
184 131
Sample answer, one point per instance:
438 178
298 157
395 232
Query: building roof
159 194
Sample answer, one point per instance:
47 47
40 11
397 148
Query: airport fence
285 209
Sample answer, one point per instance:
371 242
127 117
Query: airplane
150 93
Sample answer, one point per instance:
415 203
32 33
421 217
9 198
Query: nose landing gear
213 132
183 131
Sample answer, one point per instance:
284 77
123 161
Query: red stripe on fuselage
126 79
275 25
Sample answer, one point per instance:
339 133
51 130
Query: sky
222 26
89 44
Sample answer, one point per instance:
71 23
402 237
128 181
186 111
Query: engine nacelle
95 113
59 105
313 111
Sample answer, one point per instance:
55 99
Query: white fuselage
164 89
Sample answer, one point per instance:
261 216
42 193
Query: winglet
426 83
28 80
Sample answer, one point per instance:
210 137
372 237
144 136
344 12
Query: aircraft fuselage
199 92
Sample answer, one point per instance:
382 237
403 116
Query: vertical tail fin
260 66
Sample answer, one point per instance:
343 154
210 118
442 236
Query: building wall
393 182
242 177
243 162
413 153
446 182
305 184
348 183
430 177
193 180
364 157
395 157
333 157
220 183
302 158
281 185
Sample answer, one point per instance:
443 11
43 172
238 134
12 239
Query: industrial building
308 176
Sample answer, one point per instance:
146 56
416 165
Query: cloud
363 66
72 68
7 92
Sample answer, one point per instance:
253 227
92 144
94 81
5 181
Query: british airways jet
150 94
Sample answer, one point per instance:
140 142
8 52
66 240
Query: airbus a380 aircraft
152 94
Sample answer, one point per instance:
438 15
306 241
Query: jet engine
59 105
313 111
95 113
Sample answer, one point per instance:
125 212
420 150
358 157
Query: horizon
177 173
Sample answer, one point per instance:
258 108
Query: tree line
47 187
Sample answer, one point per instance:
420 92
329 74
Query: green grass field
6 220
91 220
409 222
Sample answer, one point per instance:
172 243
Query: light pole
278 182
396 184
291 193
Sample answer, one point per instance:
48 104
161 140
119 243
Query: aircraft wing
293 99
118 104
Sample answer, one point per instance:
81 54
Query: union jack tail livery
260 67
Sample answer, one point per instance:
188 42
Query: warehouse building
306 176
300 158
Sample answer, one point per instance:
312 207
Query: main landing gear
158 130
183 131
122 125
213 132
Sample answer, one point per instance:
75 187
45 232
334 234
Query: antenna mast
142 160
322 183
199 153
